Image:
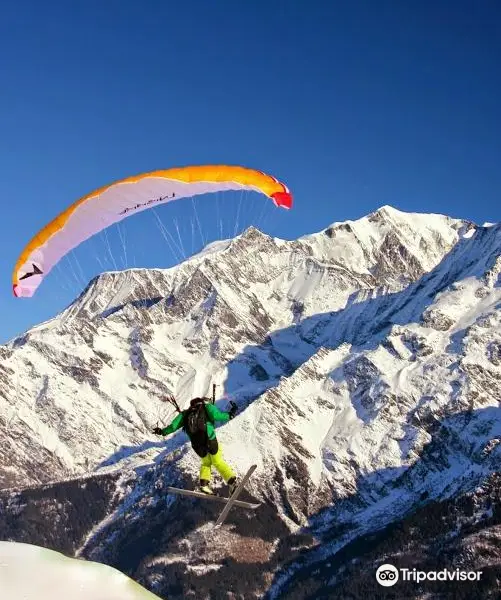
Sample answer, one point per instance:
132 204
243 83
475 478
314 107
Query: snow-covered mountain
365 360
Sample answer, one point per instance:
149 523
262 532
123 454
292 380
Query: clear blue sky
353 104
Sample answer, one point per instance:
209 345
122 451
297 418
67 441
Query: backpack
195 420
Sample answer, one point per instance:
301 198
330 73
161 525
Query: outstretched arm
174 425
218 415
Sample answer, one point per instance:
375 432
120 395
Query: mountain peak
252 233
386 209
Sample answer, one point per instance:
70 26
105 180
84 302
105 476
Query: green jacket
213 413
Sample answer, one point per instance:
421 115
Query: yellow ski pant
217 461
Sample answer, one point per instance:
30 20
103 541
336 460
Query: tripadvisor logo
388 575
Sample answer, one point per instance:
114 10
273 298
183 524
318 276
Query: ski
233 500
215 497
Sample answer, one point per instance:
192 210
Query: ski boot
205 488
233 484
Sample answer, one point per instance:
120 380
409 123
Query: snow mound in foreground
29 572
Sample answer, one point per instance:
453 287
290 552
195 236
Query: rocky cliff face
365 360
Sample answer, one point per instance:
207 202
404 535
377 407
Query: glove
233 410
157 431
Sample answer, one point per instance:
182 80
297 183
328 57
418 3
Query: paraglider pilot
198 421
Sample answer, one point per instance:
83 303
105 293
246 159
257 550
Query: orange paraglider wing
110 204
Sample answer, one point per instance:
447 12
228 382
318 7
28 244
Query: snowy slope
53 576
76 389
365 360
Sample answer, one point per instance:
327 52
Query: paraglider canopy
112 203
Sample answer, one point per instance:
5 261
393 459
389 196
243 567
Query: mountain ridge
367 384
